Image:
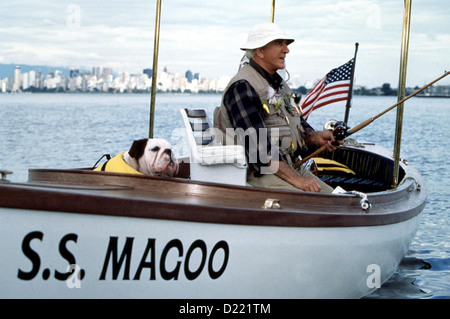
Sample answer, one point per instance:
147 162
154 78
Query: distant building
107 74
96 71
149 72
32 78
17 79
40 80
73 73
25 81
189 76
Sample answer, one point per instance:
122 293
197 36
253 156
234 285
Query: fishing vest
280 112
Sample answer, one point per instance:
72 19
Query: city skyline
104 79
207 36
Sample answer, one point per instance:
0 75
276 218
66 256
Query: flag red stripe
319 105
324 96
313 104
310 97
333 86
329 102
324 101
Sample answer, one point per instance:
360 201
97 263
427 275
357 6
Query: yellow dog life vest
117 165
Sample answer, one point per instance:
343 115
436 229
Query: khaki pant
273 181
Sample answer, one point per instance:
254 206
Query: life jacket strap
108 157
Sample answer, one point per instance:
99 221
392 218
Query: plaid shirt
245 111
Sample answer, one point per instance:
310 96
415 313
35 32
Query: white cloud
205 36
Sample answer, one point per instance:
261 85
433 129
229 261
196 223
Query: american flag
334 87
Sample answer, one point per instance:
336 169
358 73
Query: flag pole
350 91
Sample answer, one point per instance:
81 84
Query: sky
205 36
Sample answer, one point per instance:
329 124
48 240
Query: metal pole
272 13
401 88
350 91
155 68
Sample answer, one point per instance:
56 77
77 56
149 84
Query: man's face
274 55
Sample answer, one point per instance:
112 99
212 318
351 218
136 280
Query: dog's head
153 157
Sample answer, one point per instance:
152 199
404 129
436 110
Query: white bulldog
152 157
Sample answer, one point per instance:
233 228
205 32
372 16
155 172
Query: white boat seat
210 160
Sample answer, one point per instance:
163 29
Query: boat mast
155 68
401 88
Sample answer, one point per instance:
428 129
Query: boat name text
174 259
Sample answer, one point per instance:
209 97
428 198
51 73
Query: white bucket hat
264 33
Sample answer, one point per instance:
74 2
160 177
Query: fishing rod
341 130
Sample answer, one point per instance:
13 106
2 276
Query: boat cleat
4 172
272 203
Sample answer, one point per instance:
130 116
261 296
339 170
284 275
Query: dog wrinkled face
155 157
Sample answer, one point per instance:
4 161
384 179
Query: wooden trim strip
114 194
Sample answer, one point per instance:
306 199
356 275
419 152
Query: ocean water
75 130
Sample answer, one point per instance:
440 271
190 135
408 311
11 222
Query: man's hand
320 138
286 173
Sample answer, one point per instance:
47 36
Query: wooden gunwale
114 194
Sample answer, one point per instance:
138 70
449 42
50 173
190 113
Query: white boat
131 236
79 233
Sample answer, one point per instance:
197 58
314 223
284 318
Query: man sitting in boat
258 100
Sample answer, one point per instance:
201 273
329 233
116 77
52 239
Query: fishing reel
339 129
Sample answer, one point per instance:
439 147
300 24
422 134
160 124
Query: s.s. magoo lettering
117 260
148 259
35 259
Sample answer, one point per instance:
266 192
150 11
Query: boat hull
122 257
